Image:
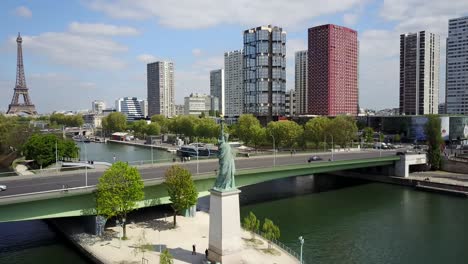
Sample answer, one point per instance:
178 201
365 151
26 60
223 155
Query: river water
342 221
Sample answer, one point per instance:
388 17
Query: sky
77 51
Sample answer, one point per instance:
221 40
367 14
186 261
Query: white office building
196 104
456 83
290 103
217 87
132 107
98 106
160 81
234 83
300 82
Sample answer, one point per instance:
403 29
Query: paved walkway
179 241
441 177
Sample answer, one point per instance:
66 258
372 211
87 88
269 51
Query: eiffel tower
20 88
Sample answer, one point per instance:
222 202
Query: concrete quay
157 234
140 143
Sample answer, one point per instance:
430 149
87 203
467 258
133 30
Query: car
3 187
314 158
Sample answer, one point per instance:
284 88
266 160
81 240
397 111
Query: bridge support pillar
225 229
402 165
94 224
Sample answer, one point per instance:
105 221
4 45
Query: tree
207 128
118 191
114 122
162 121
251 223
315 129
181 189
153 129
139 128
285 133
42 149
434 141
166 257
344 130
247 126
368 134
270 231
397 138
142 244
66 120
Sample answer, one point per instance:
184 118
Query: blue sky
77 51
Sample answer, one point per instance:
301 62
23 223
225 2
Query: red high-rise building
332 71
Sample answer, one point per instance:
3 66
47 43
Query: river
107 151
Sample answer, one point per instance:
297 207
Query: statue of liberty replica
225 230
227 168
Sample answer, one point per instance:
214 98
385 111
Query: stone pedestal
225 227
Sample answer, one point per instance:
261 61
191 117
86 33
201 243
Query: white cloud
23 11
196 52
102 29
77 51
207 13
350 19
147 58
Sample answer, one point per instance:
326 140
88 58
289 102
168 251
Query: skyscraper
265 71
290 102
217 88
160 78
419 73
457 67
332 71
300 84
234 83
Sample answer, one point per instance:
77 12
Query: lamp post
380 144
56 156
159 231
86 165
333 145
274 150
152 152
301 240
197 154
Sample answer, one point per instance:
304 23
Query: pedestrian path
158 234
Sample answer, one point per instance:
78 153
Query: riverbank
155 235
433 181
141 143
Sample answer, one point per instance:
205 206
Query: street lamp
197 153
380 144
152 163
159 231
301 240
274 150
86 165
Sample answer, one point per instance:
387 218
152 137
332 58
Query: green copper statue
227 168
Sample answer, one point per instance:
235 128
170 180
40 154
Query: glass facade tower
265 71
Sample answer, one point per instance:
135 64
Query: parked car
314 158
3 187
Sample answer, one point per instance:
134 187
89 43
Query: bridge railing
282 246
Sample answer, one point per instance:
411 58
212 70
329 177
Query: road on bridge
39 183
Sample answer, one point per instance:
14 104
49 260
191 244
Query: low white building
133 108
196 104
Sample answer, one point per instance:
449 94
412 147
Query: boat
80 138
204 150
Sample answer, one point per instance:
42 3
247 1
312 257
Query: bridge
79 200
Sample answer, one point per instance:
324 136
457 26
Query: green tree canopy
14 133
247 126
344 130
368 134
270 231
315 129
114 122
207 128
251 223
181 189
66 120
118 190
162 121
434 141
41 148
285 133
166 257
139 128
153 129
